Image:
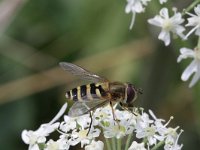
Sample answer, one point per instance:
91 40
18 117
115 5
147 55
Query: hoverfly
99 92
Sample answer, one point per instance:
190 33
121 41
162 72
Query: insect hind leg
90 123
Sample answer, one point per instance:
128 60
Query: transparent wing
83 107
81 73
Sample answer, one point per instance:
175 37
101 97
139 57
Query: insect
99 92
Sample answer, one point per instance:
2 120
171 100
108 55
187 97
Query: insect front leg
113 113
126 108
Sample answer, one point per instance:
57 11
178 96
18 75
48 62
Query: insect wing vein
81 73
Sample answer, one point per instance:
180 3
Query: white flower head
137 146
194 66
194 21
95 145
77 130
168 24
135 6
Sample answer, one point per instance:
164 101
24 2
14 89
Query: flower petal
156 21
138 7
34 147
164 13
185 53
59 114
164 36
25 136
196 76
197 10
189 70
128 8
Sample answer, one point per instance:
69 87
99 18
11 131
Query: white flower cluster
148 129
135 6
174 24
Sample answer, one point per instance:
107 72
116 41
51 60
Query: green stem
197 106
198 44
158 145
108 144
191 6
128 142
114 144
119 144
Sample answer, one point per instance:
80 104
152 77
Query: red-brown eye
130 93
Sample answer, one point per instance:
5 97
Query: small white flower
84 121
143 121
162 1
117 131
95 145
68 124
194 66
57 145
168 24
33 138
101 114
194 21
135 6
125 124
137 146
152 130
160 127
83 136
171 142
150 134
145 129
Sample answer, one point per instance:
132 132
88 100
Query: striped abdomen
88 92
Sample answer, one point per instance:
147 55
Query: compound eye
130 93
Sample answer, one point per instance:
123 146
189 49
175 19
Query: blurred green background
36 35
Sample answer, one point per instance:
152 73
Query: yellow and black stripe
87 92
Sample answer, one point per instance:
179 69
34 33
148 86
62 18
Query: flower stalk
114 146
198 43
190 7
108 144
161 143
119 144
128 141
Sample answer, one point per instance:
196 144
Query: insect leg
113 113
125 108
90 123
